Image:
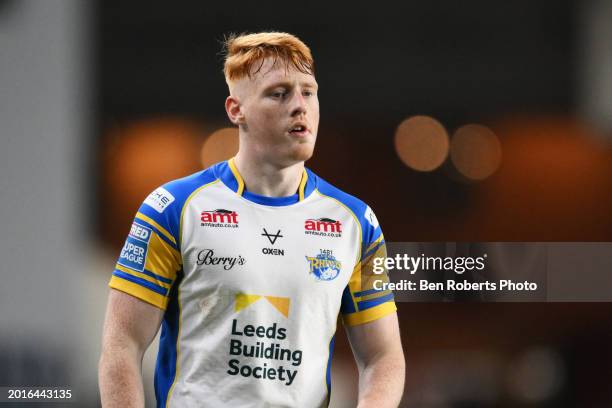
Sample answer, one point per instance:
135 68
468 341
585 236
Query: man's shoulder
370 228
325 188
175 193
185 186
359 208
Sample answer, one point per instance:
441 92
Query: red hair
244 51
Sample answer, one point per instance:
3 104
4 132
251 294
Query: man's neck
267 179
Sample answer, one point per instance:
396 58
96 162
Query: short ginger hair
245 52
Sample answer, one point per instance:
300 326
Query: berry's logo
219 218
323 227
324 266
207 257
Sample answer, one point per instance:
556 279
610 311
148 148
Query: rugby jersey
252 286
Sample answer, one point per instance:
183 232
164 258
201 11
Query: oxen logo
272 237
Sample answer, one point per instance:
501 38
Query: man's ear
234 110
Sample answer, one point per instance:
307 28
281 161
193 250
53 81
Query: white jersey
252 287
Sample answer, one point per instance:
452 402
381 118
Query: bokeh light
476 151
554 184
421 142
138 158
220 145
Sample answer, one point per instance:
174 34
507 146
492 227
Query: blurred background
455 121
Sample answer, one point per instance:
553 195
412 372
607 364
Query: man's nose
298 104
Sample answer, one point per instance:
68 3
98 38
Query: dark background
101 102
513 66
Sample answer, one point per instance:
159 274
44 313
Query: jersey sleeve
150 258
362 299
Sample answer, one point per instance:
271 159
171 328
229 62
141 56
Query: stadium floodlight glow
421 142
220 145
475 151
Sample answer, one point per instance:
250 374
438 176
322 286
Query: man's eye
308 93
279 94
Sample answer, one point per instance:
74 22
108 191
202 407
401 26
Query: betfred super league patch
134 252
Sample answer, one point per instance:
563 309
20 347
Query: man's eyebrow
287 84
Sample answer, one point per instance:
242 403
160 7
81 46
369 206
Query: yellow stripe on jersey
373 245
302 185
355 283
239 179
363 276
139 292
180 305
369 278
156 225
142 276
368 315
375 295
162 259
381 252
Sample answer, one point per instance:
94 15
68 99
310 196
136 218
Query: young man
247 264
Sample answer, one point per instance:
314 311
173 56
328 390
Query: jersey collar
228 173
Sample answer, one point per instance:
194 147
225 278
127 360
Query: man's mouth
299 130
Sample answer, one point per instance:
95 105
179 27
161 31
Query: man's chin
302 153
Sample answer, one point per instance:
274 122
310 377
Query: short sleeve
150 258
362 300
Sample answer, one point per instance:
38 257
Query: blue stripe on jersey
165 369
369 234
170 218
375 233
368 292
329 363
224 172
141 282
367 304
157 231
373 250
346 304
157 277
311 183
272 201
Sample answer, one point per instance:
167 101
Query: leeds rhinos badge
324 266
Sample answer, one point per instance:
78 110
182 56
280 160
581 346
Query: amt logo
219 216
323 227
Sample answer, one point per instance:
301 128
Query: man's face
280 112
